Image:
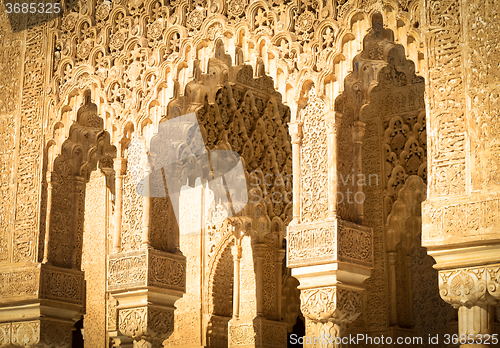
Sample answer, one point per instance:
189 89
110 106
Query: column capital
358 131
470 286
295 130
236 251
119 165
331 303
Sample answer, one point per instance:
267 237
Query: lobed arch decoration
69 165
238 113
381 129
155 44
380 110
143 59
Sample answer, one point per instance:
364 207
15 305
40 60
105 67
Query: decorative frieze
468 219
146 268
41 282
19 284
335 241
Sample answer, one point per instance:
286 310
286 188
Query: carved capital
331 304
120 165
36 333
467 287
257 333
153 324
295 130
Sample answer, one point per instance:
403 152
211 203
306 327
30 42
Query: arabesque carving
324 103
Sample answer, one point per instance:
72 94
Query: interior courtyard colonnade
369 137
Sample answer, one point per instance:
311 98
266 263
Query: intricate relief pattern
355 245
314 160
147 323
23 284
307 245
127 271
25 333
62 284
132 202
28 173
10 69
483 92
480 216
446 99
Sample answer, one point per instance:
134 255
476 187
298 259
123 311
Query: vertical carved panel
25 241
269 279
314 162
94 260
132 202
10 70
483 91
446 98
61 212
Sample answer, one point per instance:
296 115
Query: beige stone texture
370 142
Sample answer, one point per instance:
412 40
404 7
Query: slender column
409 287
359 131
79 184
391 256
236 251
280 254
332 164
119 166
296 134
259 250
46 249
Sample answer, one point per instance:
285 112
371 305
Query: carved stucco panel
314 161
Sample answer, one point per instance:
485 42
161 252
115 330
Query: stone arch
220 292
87 147
381 116
78 163
168 49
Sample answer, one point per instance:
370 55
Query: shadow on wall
299 330
77 334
